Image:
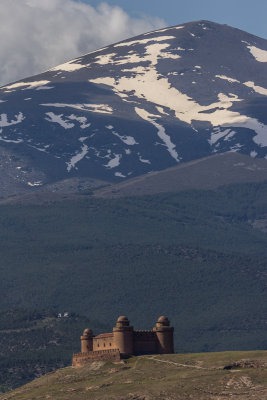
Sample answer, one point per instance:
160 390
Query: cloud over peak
37 35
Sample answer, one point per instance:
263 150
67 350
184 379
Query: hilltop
235 375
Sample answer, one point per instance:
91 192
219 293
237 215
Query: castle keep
124 341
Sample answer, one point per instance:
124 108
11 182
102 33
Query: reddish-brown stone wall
80 359
103 342
145 342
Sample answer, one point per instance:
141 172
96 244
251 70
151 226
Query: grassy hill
235 375
205 173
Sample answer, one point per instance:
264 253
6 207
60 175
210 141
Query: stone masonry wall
80 359
145 342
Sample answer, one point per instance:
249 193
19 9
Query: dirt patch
246 364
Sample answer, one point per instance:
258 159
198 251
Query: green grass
177 376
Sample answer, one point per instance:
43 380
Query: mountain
145 104
235 375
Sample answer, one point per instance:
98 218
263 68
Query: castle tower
87 341
123 336
164 334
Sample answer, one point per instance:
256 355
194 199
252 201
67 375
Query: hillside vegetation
33 343
230 375
194 256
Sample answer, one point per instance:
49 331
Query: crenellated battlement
144 333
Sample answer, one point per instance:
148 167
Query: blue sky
39 34
249 15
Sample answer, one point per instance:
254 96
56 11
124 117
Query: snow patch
161 131
161 110
29 85
143 160
58 119
129 140
229 135
259 54
99 108
165 30
105 59
69 66
226 78
120 175
4 120
78 157
253 124
83 139
217 135
256 88
253 154
37 148
81 120
32 184
152 54
235 148
114 162
144 41
3 139
45 87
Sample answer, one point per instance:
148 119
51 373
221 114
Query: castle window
97 344
110 344
104 344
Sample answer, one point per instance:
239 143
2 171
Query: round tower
164 334
87 341
123 336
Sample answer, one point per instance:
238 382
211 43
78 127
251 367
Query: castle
124 341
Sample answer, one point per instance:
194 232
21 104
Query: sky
39 34
248 15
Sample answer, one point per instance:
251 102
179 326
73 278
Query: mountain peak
144 104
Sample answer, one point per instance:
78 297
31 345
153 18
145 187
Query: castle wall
145 342
103 342
80 359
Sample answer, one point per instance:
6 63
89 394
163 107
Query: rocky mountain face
141 105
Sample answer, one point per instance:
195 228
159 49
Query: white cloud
39 34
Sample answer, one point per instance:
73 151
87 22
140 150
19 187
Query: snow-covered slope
144 104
